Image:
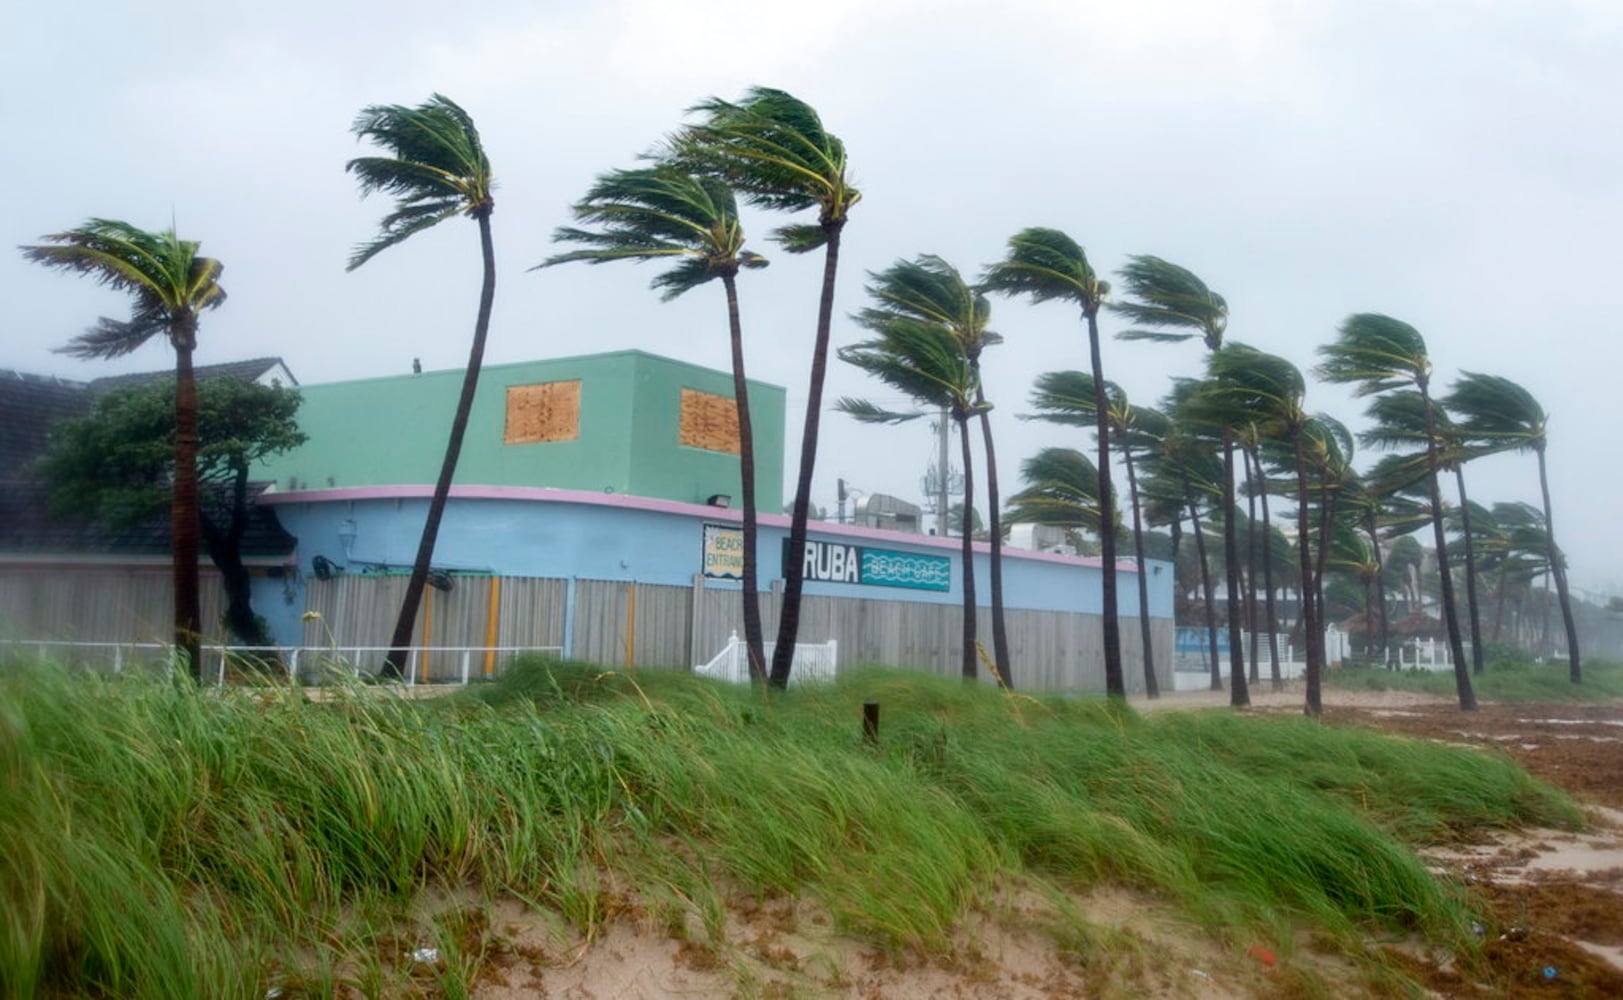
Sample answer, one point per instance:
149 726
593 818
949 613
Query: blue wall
567 539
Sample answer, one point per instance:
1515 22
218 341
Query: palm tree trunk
1477 664
395 664
1251 563
750 585
794 573
1558 564
1268 578
1206 588
1372 528
1327 524
1000 631
1462 675
967 529
1239 696
1151 687
1309 616
1115 680
184 513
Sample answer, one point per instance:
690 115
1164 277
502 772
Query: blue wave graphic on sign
901 569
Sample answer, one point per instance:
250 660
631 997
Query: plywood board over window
545 411
709 422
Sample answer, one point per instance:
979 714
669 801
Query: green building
623 422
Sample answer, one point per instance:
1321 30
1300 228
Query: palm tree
1061 491
1376 354
1046 264
926 362
171 285
930 290
666 214
436 169
1504 416
1068 398
772 148
1399 420
1171 304
1184 476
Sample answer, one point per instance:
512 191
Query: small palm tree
1504 416
1068 397
1376 354
1046 264
436 169
926 362
171 285
930 290
666 214
1061 491
772 148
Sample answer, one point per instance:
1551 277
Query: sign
836 562
723 552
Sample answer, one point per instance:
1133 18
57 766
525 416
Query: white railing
303 663
812 662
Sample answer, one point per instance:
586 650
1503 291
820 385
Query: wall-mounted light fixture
720 500
347 530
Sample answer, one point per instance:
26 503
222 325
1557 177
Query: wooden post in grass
870 723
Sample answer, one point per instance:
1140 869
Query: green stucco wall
390 431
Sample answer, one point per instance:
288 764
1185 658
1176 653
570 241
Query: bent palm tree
664 213
1376 354
1068 398
1046 264
171 285
926 362
436 169
1503 415
1061 491
772 148
931 290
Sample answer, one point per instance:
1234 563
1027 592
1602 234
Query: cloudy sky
1457 164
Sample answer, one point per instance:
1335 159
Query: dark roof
248 371
29 405
28 526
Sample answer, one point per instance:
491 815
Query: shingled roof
251 370
29 405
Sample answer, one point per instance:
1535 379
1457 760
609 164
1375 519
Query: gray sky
1457 164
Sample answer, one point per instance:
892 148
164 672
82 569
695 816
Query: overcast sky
1456 164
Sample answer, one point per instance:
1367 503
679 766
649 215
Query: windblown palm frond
865 412
170 283
437 168
930 290
921 360
1497 413
660 213
1375 353
1068 398
772 148
1169 304
1047 264
1061 490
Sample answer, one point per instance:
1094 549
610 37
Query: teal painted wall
391 431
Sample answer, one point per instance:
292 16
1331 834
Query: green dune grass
161 841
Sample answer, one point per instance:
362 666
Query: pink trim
547 494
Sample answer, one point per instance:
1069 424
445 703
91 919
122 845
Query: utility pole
941 516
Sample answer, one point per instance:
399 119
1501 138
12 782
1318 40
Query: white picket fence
307 664
812 661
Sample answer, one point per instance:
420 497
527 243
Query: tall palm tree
1503 414
1398 419
171 285
436 169
1375 354
1068 397
1170 303
926 362
772 148
663 213
930 290
1046 264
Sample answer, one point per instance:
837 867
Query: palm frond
1497 412
1168 300
437 168
1046 264
866 412
1375 353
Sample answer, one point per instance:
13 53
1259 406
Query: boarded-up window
547 411
709 422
